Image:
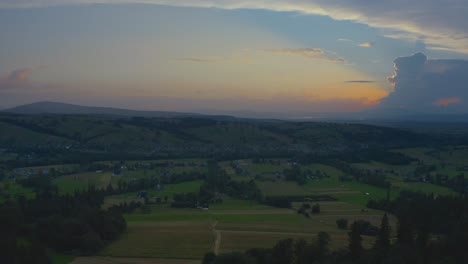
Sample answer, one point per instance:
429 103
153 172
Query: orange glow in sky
448 101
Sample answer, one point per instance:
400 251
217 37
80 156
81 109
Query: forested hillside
43 139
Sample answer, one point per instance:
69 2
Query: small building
142 195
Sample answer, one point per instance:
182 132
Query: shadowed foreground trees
69 224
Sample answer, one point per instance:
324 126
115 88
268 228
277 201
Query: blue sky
220 56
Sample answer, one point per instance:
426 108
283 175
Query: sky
237 56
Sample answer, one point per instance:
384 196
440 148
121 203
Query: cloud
440 24
201 60
447 101
367 45
360 81
427 85
19 78
345 40
310 53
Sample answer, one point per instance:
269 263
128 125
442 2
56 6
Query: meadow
68 184
234 225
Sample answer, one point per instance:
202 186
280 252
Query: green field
163 240
11 190
61 258
231 226
78 182
236 225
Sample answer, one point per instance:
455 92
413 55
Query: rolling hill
71 109
74 137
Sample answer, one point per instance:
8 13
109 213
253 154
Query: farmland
237 225
162 233
217 196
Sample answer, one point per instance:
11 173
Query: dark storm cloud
428 85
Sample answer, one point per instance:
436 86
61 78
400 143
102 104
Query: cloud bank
428 85
441 25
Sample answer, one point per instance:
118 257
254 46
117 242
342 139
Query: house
142 195
20 171
117 172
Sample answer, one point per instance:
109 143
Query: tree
355 242
300 250
316 209
233 258
209 258
109 189
383 238
323 240
91 243
342 223
405 232
283 252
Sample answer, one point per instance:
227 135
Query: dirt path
217 235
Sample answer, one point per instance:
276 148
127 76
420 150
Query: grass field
187 240
76 182
231 226
280 188
12 189
61 259
254 226
419 153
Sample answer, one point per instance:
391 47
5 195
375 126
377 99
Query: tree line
73 224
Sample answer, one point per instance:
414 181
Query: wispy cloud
16 79
367 44
447 101
310 53
425 19
201 60
360 81
345 40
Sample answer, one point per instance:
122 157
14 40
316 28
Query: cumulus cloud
16 79
440 24
428 85
310 53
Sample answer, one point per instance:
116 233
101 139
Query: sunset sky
224 56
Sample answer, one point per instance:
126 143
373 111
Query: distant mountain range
71 109
373 116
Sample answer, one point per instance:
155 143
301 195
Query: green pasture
77 182
233 225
